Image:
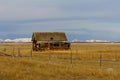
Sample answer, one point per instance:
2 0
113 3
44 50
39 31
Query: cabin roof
49 36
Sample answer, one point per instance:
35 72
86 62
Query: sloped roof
49 36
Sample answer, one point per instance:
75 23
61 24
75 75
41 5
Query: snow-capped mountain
16 40
72 37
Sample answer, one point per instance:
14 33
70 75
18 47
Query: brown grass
56 65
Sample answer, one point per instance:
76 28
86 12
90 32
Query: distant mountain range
72 37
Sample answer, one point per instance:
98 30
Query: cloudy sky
93 17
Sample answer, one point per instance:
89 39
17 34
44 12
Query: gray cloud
26 16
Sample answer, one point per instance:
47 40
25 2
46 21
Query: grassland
82 62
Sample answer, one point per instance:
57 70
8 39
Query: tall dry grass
85 64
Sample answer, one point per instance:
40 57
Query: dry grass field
85 61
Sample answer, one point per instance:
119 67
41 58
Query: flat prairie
84 61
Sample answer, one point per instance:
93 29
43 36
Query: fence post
76 54
49 55
71 57
49 51
18 52
31 54
100 59
13 52
4 50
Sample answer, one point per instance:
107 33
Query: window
56 45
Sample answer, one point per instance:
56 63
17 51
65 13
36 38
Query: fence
91 59
79 55
16 52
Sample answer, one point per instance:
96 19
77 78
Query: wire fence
85 57
16 52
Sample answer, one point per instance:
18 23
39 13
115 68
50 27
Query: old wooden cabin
50 40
